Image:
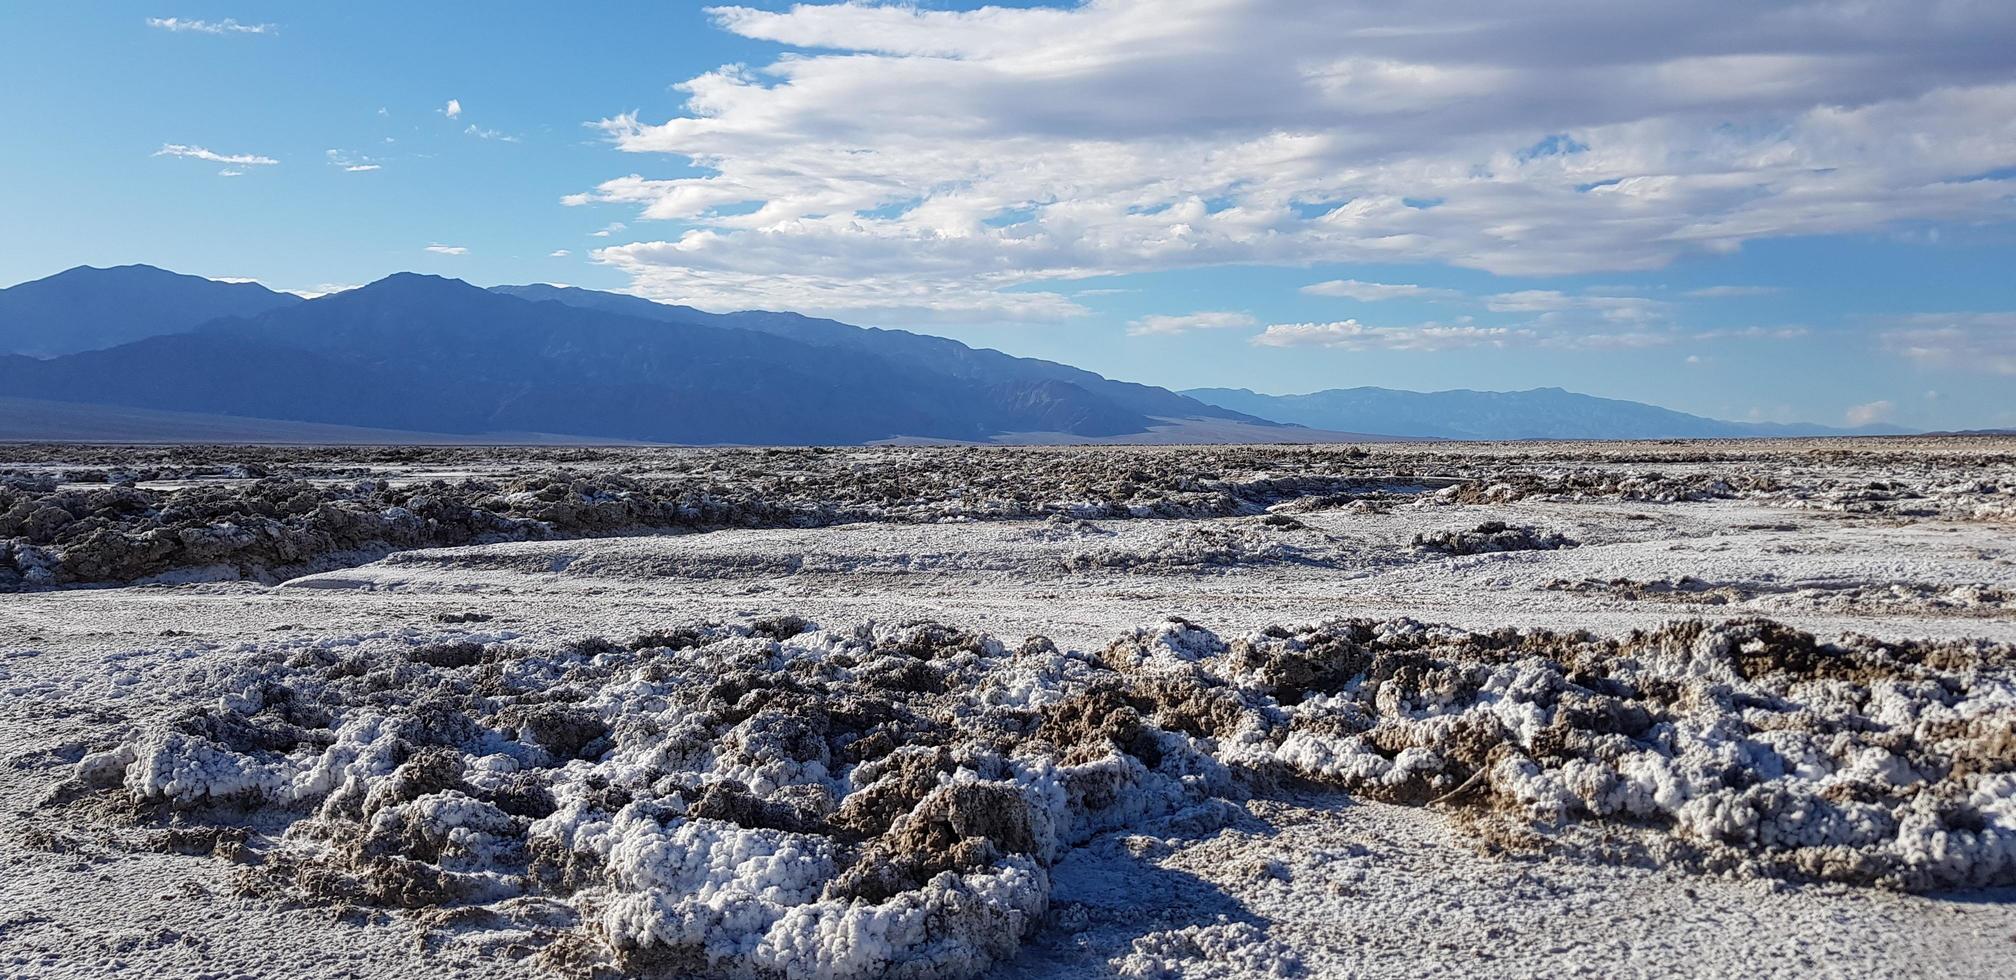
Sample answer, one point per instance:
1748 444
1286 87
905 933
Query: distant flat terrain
43 420
40 420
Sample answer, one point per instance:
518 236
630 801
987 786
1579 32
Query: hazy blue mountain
88 309
422 353
1541 413
937 354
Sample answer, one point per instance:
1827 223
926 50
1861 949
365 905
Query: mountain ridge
425 353
1534 413
91 308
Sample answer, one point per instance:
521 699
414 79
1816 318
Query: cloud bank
967 164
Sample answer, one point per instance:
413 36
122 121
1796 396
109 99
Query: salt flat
1302 826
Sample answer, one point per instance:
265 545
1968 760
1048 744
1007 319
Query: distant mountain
88 309
1540 413
420 353
936 354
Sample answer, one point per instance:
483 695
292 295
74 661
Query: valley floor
1304 872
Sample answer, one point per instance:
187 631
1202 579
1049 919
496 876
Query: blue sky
1749 211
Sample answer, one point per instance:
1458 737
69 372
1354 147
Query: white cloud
228 172
453 109
1550 301
609 229
490 134
1865 414
1352 335
1206 320
1372 292
351 163
325 289
225 26
558 253
985 158
1984 342
448 249
199 153
313 293
1731 292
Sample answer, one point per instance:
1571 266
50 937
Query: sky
1750 210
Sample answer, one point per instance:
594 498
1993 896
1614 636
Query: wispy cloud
1373 292
199 153
1205 320
225 26
490 134
558 253
1981 342
325 289
448 249
1869 412
351 163
1730 292
1551 301
1352 335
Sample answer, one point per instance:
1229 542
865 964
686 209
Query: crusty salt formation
778 800
1746 747
271 512
1489 537
765 801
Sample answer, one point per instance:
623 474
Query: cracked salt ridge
777 800
273 529
277 527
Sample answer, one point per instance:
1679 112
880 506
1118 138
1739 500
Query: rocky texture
91 515
776 799
1491 536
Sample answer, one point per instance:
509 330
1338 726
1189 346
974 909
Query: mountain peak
89 308
417 280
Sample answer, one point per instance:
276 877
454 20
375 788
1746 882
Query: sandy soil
1900 540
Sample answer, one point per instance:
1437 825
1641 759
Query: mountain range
87 309
1539 413
422 353
421 358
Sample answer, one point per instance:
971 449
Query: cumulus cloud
453 109
1206 320
448 249
985 157
558 253
1984 342
199 153
1865 414
1373 292
1352 335
225 26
